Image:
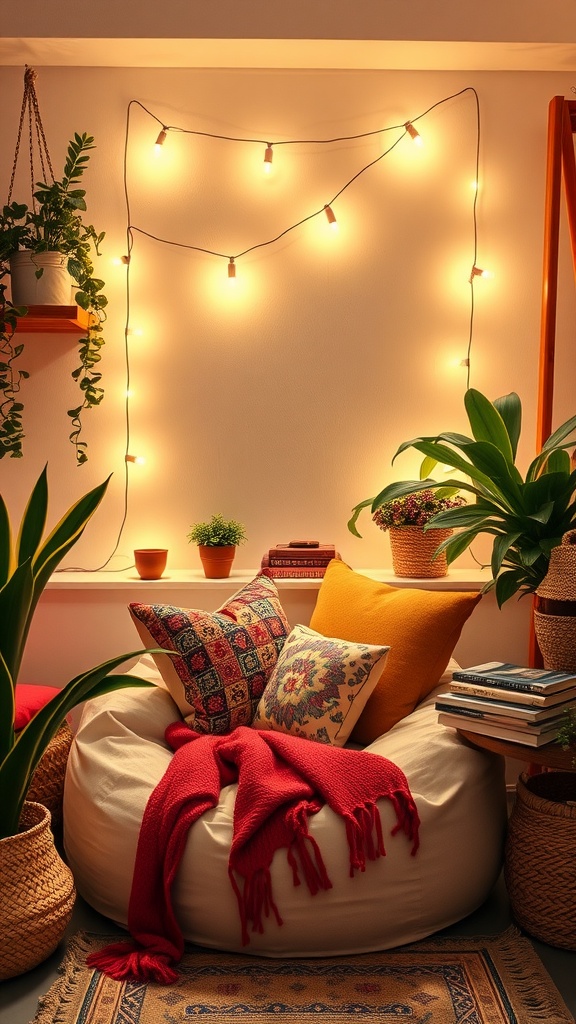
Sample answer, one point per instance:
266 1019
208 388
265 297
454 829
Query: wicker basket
413 549
38 894
47 786
555 608
540 857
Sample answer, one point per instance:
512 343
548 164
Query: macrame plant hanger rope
35 132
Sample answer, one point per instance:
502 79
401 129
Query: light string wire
132 228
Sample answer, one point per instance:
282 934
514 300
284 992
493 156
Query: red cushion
29 699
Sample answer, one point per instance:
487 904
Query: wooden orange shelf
54 320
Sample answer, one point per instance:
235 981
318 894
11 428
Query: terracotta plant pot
150 562
38 894
412 550
217 561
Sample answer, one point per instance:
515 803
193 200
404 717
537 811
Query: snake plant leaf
66 532
487 423
33 520
16 599
18 766
7 703
5 543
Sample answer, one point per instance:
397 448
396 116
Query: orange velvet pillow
422 628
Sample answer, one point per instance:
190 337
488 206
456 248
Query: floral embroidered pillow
223 659
319 686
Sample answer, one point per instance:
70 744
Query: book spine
302 553
298 562
492 717
293 573
492 692
500 684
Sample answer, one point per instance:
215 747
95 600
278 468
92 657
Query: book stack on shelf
509 702
297 559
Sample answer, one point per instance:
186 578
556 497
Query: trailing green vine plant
53 224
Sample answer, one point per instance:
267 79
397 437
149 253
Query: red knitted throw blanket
282 780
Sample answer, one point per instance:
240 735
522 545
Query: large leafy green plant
25 567
527 516
54 224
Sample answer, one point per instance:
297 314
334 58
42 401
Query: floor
19 996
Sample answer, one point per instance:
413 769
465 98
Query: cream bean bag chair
119 755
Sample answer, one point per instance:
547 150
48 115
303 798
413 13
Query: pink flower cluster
413 509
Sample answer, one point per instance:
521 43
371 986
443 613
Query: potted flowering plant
414 551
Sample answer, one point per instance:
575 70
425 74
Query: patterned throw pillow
224 657
319 686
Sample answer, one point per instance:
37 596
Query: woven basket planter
540 857
413 549
38 894
47 785
555 608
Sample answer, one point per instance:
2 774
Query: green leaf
18 767
355 513
7 705
507 585
510 409
33 520
5 543
15 611
487 423
500 549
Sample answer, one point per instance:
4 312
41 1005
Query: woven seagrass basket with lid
555 608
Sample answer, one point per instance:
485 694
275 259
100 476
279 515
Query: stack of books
509 702
298 558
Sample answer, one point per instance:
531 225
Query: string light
479 272
160 141
138 460
268 155
331 216
232 271
414 135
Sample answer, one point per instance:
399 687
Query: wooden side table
549 756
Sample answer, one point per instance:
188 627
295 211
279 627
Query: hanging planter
53 287
38 894
40 242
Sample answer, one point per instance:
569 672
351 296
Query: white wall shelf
194 579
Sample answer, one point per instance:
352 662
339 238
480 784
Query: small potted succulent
217 541
414 551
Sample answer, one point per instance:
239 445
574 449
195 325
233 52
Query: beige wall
284 405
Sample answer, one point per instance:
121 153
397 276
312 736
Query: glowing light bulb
268 155
414 135
160 142
479 272
232 271
138 460
331 217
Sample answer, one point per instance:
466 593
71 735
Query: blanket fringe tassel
128 960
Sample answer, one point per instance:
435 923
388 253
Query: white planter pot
53 288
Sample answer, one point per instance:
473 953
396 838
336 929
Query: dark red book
312 562
293 552
293 572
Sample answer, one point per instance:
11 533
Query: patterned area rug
486 980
